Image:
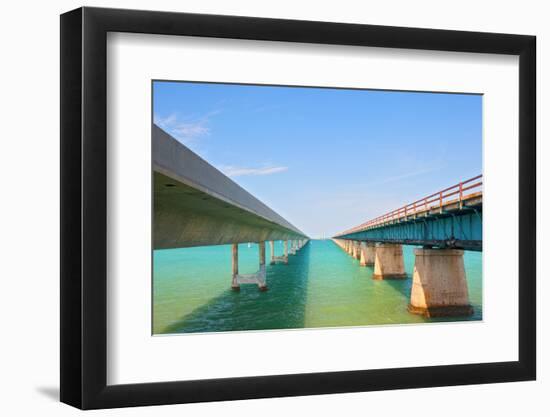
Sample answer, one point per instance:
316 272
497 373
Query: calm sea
321 286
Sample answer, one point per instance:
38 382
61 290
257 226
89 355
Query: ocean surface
322 286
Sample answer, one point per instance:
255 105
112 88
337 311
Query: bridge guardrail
441 198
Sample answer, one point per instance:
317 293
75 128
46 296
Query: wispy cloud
185 129
236 171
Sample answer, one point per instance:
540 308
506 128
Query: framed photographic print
258 207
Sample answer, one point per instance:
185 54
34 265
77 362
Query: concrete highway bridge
445 224
197 205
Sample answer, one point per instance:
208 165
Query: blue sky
327 159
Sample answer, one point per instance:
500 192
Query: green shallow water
321 286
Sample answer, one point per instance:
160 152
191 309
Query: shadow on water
281 307
403 286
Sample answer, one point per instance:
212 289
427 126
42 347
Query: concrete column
367 254
235 266
388 262
261 247
357 254
439 284
286 249
272 251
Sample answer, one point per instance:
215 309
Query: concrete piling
357 250
279 259
258 278
388 262
367 254
262 285
235 267
439 284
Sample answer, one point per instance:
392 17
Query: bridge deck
454 221
195 204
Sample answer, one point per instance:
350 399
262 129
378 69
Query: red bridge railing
456 193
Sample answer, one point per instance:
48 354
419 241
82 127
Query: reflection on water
321 286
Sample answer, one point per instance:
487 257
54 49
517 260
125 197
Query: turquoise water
321 286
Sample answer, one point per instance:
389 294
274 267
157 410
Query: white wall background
29 226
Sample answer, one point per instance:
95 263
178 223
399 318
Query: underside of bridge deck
195 204
185 216
459 228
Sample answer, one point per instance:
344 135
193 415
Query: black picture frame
84 207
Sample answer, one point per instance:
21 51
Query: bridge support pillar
271 252
439 284
357 250
367 254
292 247
258 278
388 262
286 251
350 247
235 267
278 259
262 285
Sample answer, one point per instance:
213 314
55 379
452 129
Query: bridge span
197 205
445 224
